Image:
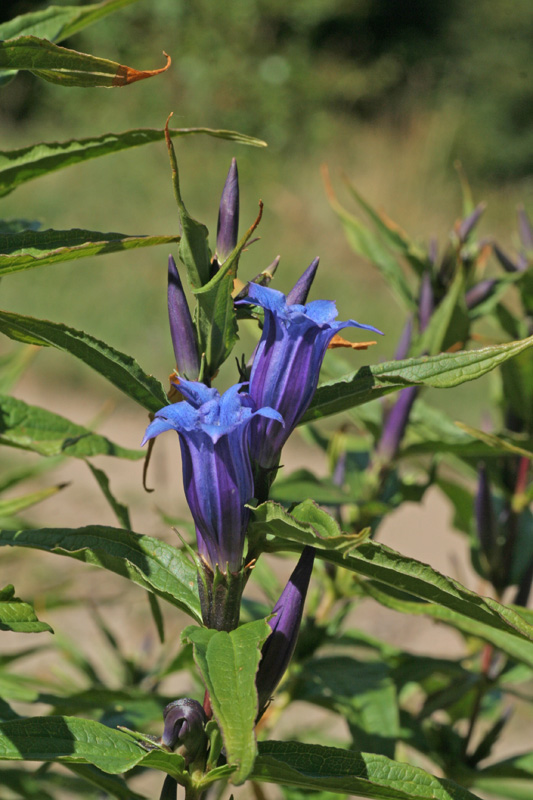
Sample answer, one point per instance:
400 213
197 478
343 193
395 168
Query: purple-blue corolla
214 433
287 364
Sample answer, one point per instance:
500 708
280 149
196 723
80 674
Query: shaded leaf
30 249
67 67
27 163
119 509
152 564
9 508
119 369
32 428
18 616
312 766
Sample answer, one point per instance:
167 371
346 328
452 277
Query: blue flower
287 364
285 624
214 434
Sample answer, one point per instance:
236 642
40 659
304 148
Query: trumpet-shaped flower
287 364
214 433
285 624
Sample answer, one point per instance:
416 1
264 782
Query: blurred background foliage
390 93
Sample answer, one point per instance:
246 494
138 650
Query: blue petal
270 299
196 393
156 427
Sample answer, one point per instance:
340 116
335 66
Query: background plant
393 703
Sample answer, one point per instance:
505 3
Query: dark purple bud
299 292
524 228
279 647
395 424
481 291
184 729
507 263
228 215
524 588
169 790
484 513
426 302
181 326
405 340
469 223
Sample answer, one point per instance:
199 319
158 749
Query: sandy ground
422 531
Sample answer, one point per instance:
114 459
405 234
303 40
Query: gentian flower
287 364
285 624
214 434
181 326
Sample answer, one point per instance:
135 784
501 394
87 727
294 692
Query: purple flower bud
484 513
299 292
214 434
228 215
184 729
468 224
480 292
507 263
405 340
426 302
395 424
279 647
524 229
181 326
287 364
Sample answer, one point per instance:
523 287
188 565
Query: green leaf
31 249
441 371
398 581
18 616
27 163
363 693
119 509
31 428
119 369
497 443
80 741
59 22
510 778
215 312
301 484
367 244
8 508
228 663
312 766
67 67
449 322
152 564
517 377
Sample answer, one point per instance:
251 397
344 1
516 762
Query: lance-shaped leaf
32 428
441 371
228 663
510 778
311 766
25 164
8 508
59 22
402 583
81 741
152 564
116 367
216 319
67 67
18 616
30 249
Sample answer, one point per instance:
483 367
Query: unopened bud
480 292
184 729
228 215
181 326
299 292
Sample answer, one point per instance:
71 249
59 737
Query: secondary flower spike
214 433
287 364
181 326
279 647
228 215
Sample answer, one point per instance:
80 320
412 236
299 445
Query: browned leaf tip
126 75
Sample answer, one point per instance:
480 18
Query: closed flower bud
181 326
300 291
184 729
228 215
